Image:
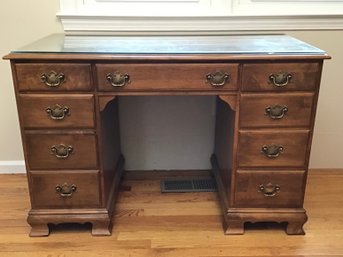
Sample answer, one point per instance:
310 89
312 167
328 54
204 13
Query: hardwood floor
150 224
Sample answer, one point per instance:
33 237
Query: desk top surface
267 45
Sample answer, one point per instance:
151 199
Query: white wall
167 132
22 22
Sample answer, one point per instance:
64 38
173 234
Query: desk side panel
109 148
223 149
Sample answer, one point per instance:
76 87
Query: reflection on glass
242 44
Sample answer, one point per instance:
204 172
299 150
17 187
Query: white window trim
81 16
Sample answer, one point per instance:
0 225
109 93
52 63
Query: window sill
206 25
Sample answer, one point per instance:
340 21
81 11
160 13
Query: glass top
231 44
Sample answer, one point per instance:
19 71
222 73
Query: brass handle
53 79
218 79
65 190
276 112
269 189
118 79
61 151
57 112
281 79
272 151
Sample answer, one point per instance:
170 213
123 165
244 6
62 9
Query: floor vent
189 185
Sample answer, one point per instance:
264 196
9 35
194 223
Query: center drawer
169 77
61 151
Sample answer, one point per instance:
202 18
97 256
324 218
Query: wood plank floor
150 224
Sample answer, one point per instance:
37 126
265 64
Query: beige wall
327 147
22 22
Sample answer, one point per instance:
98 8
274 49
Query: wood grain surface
148 224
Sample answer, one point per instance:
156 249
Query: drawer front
275 110
67 189
57 111
169 77
276 189
280 76
53 77
60 151
273 148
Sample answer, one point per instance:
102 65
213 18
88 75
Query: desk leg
101 228
39 230
233 227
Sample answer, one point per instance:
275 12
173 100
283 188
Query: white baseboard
11 167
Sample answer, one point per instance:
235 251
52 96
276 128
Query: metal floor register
189 185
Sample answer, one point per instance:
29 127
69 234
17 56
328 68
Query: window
145 8
288 7
206 16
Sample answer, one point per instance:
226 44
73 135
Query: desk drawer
67 189
61 151
273 148
57 111
275 110
168 77
263 189
53 77
280 76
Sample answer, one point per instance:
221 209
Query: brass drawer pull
57 112
272 151
61 151
276 112
280 79
118 79
218 79
65 190
52 79
269 190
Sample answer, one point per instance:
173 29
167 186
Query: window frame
210 16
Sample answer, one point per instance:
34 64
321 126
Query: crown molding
207 25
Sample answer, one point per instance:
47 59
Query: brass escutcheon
57 112
269 190
118 79
52 79
276 112
218 79
65 190
280 79
61 151
272 151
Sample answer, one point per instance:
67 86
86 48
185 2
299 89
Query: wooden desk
67 90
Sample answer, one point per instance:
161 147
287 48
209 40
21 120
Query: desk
67 89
